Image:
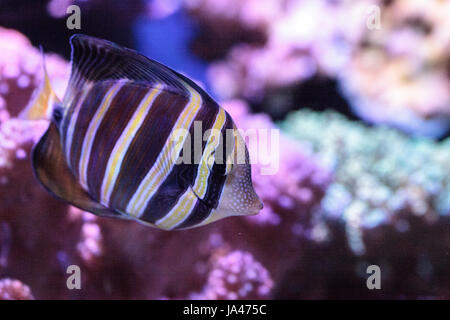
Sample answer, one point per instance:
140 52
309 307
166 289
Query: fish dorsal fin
53 173
95 59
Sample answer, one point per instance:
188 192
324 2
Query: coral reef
251 69
14 290
338 195
408 41
389 196
236 276
21 71
411 46
375 182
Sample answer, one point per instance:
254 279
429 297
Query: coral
374 181
389 196
236 276
251 69
411 47
399 66
21 72
14 290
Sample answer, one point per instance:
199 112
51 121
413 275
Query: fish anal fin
53 173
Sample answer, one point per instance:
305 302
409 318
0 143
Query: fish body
120 144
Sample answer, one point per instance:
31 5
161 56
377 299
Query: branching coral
236 276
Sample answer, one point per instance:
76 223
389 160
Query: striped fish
110 146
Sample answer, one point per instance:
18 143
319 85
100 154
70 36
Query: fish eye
210 161
57 114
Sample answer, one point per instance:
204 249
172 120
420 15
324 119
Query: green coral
378 172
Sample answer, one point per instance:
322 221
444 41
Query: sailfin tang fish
110 146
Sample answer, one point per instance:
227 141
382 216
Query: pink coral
294 34
350 41
411 45
14 290
236 275
21 71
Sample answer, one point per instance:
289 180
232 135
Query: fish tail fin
41 103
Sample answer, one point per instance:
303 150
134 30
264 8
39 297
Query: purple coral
21 71
345 40
236 275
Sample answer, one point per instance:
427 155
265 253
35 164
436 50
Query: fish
119 142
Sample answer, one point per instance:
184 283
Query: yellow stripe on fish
73 121
92 130
162 165
121 146
181 210
204 167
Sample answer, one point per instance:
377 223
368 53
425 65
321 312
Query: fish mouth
260 204
256 207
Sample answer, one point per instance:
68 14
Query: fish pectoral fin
53 173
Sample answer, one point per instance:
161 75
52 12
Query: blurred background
361 92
